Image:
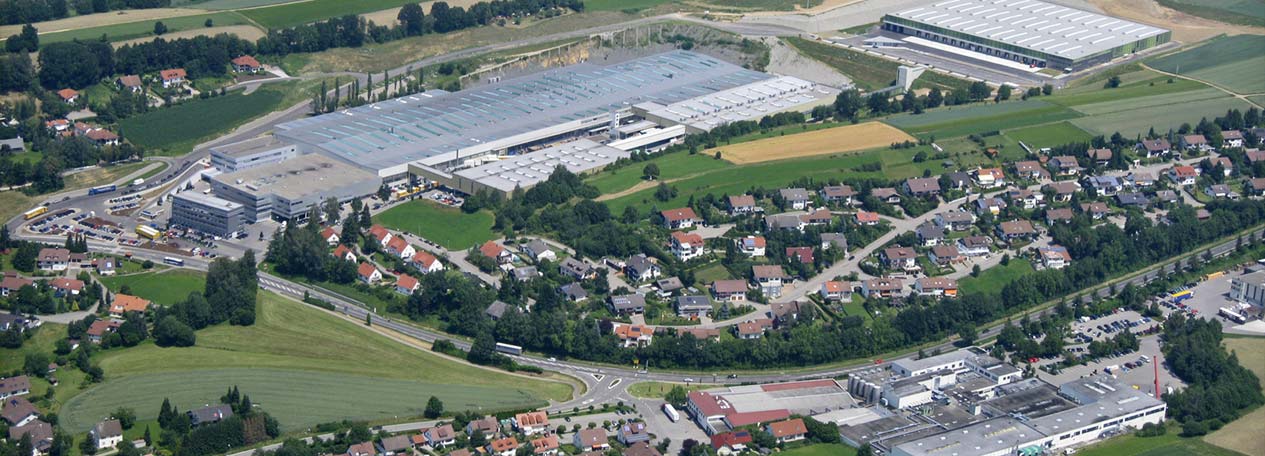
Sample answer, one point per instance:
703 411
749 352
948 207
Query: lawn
299 13
43 340
102 175
658 390
303 365
1166 445
1049 135
166 287
979 118
1241 434
142 29
671 166
996 277
175 130
869 72
821 449
857 308
451 228
712 273
1231 62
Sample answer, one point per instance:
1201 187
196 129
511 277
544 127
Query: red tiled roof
128 303
687 238
173 73
491 249
788 428
366 270
675 215
406 281
67 94
246 61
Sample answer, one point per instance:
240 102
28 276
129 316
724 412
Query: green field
1241 434
867 71
305 367
43 341
1049 135
1245 12
1161 117
965 120
658 390
175 130
996 277
299 13
621 5
226 4
1152 84
821 449
141 29
166 287
671 166
1231 62
1166 445
451 228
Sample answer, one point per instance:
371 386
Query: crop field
1231 62
851 138
962 121
164 287
1135 104
671 166
1153 84
102 19
228 4
1245 12
867 71
1049 135
451 228
288 364
177 129
142 29
298 13
1241 434
1161 117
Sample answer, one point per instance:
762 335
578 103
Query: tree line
1218 388
28 11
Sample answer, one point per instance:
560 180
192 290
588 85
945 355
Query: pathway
1232 93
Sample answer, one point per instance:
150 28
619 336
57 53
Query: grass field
103 175
44 340
867 71
448 227
671 166
166 287
305 367
1049 135
1228 61
996 277
1152 84
298 13
961 121
1166 445
657 390
227 4
141 29
175 130
14 202
1242 435
850 138
1245 12
821 449
1161 117
621 5
102 19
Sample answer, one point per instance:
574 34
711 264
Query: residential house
693 306
1016 230
640 268
751 245
1025 198
576 269
545 446
783 313
1166 196
362 449
679 219
12 283
18 411
53 259
496 252
668 285
1060 215
1133 199
1152 148
574 292
97 331
17 385
865 218
172 77
834 290
368 273
628 304
1232 138
40 434
817 218
1197 143
640 449
796 198
531 423
210 414
330 236
591 440
1220 191
488 425
922 186
769 278
734 442
425 263
686 246
1183 174
784 222
57 126
632 433
802 255
989 205
246 64
66 287
1256 186
838 194
929 234
102 137
936 286
741 205
903 258
1054 256
882 287
955 220
1096 210
1254 155
787 431
957 180
1104 185
440 436
503 447
1140 179
834 240
130 82
106 266
753 329
69 96
123 304
1030 169
945 255
380 234
886 194
539 251
496 310
396 445
633 335
990 177
1100 157
400 248
406 285
1227 166
729 290
1065 165
344 252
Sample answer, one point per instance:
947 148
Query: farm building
1029 32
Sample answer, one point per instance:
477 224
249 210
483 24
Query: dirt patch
1186 28
245 32
643 185
785 59
100 19
851 138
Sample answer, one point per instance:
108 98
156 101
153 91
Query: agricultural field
867 71
299 13
966 120
1148 83
162 287
850 138
1228 61
1049 135
175 130
1166 445
1243 12
1241 434
103 19
1161 117
451 228
142 29
285 363
227 4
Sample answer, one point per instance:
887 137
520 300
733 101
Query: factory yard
850 138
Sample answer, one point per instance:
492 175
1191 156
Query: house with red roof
330 236
406 284
68 95
545 446
801 254
172 77
787 431
369 273
865 218
66 286
735 442
532 422
752 245
1183 175
677 219
399 247
425 262
686 246
246 64
380 234
503 447
633 335
344 252
836 291
496 252
127 303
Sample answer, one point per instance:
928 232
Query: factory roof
249 146
1039 26
748 102
527 170
296 177
434 123
207 200
985 437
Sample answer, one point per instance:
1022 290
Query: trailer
148 232
670 411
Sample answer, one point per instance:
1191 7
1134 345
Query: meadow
966 120
1245 12
659 390
1228 61
1166 445
141 29
162 287
299 13
103 175
821 449
621 5
303 365
671 166
996 277
1241 434
1049 135
1161 117
451 228
177 129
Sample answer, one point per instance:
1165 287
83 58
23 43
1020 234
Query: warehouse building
287 190
1029 32
748 102
526 170
251 153
206 214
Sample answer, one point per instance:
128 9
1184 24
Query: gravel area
785 60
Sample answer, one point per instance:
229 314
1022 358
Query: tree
170 332
848 103
1003 92
676 396
160 28
332 210
412 19
126 417
664 192
434 408
978 91
650 172
208 23
1112 82
87 446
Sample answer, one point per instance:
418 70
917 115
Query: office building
206 214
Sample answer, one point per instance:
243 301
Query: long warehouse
1031 32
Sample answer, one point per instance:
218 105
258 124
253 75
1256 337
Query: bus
509 349
35 212
101 189
670 411
173 261
148 232
1182 295
1232 315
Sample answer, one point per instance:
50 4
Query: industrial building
727 409
206 214
1029 32
524 171
1249 288
751 101
251 153
287 190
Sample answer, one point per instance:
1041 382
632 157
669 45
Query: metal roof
1044 27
